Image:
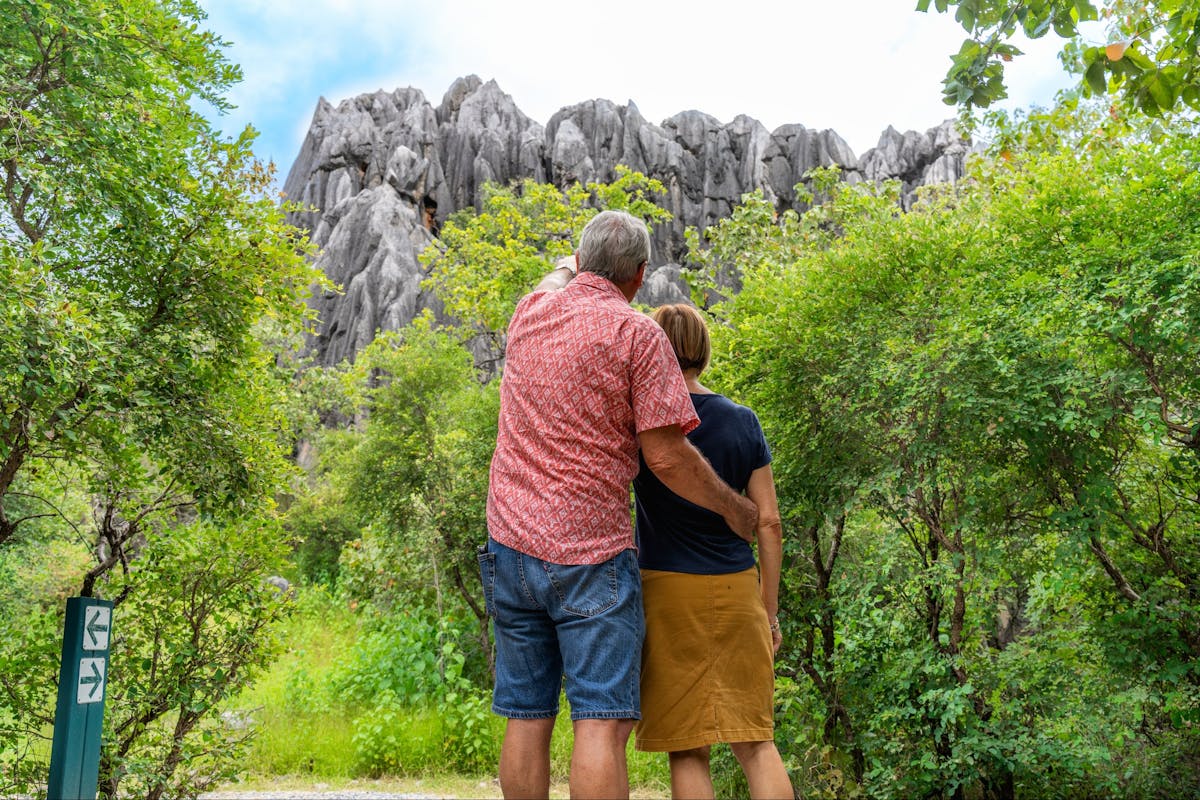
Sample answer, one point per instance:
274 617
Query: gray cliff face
382 170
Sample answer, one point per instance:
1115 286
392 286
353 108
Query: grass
298 729
318 745
305 736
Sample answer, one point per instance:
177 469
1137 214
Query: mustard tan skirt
708 671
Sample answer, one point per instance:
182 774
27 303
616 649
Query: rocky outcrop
916 159
381 171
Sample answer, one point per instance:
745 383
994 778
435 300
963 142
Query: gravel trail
339 794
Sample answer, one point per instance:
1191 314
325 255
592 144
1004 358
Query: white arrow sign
91 681
97 620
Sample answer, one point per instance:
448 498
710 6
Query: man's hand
684 470
744 518
564 270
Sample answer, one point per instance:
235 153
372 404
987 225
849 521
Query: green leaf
1162 92
1134 56
1191 96
1065 27
966 16
1037 26
1096 77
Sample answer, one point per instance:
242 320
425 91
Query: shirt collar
595 281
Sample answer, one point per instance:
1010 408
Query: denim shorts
552 621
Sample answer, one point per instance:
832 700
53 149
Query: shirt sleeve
763 455
659 393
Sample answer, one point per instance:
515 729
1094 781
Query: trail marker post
82 678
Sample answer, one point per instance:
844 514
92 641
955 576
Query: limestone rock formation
381 171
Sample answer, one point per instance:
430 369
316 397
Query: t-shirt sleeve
659 393
762 455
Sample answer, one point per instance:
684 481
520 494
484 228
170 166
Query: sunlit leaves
483 263
1150 57
417 475
143 256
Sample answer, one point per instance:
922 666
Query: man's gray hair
613 245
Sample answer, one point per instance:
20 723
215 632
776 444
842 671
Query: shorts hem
511 714
627 714
704 739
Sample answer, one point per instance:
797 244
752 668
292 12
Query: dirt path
385 789
335 794
297 788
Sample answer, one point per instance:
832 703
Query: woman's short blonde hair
688 334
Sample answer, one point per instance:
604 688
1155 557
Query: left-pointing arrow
95 627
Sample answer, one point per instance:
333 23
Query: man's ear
630 287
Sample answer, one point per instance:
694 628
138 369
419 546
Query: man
587 379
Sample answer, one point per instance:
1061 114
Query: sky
856 66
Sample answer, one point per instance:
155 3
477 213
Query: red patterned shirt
584 373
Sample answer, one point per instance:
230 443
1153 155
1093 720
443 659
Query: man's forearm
692 478
684 470
559 277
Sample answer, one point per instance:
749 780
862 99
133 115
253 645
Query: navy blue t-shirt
679 536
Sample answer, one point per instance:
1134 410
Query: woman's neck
692 378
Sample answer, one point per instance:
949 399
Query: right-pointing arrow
95 680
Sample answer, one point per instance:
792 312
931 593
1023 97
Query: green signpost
75 754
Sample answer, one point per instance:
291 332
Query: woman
711 624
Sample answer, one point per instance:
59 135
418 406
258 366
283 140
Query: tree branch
1114 572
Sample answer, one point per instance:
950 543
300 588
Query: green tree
324 405
417 475
1152 55
983 422
148 276
139 254
1120 461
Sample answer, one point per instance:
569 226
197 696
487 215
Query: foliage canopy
1151 57
984 416
149 279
